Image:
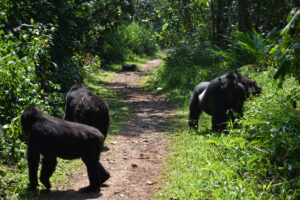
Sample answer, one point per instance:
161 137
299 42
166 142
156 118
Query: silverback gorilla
220 98
85 107
54 138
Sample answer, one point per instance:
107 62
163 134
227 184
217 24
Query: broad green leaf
256 122
215 142
253 159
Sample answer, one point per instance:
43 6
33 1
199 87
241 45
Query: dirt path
135 154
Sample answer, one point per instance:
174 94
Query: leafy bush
21 87
140 40
269 149
247 48
184 68
288 50
125 41
75 27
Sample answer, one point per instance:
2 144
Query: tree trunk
213 19
243 13
220 23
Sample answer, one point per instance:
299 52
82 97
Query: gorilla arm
33 157
68 111
195 104
218 107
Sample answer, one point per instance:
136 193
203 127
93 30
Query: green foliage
183 69
289 48
139 40
76 26
269 14
272 121
247 48
183 20
270 129
20 16
146 13
14 180
213 20
125 41
20 87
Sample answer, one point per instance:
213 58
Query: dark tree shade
243 14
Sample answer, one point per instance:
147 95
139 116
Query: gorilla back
85 107
54 138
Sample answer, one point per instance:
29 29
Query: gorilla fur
54 138
221 98
85 107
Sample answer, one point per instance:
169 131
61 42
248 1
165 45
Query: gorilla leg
48 167
33 164
104 175
100 120
96 173
195 111
219 120
103 126
198 96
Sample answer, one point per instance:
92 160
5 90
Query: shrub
288 48
269 131
247 48
20 85
125 41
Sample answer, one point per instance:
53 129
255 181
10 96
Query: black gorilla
251 86
54 138
221 98
129 67
85 107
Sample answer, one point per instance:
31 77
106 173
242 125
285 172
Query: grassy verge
257 160
15 180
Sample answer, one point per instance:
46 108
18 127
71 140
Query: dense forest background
46 45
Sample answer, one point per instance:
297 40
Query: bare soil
135 155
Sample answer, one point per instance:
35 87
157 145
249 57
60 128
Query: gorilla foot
31 187
104 149
104 185
104 178
89 189
46 183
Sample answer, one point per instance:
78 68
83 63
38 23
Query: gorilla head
251 86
